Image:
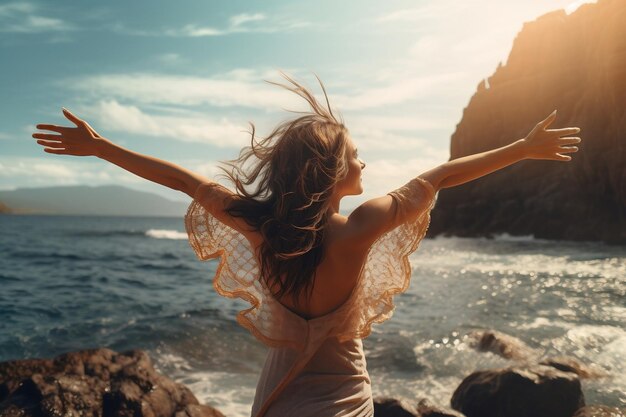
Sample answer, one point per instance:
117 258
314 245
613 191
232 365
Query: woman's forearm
153 169
540 143
461 170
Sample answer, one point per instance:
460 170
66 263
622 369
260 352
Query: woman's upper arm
215 198
379 215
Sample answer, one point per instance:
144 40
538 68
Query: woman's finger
563 157
548 120
569 140
47 136
564 131
567 149
72 118
51 144
54 128
52 150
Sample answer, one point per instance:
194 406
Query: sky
181 80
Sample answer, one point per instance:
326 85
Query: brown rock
531 391
574 63
501 344
569 364
390 407
427 409
94 383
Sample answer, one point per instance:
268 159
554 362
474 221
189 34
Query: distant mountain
574 63
107 200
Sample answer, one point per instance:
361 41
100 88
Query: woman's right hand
543 143
81 140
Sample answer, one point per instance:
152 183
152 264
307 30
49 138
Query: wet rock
600 411
94 382
501 344
569 364
427 409
583 199
529 391
390 407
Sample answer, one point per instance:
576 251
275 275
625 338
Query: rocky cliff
574 63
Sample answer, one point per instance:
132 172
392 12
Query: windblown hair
292 173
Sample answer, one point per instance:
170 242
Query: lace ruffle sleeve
387 270
237 276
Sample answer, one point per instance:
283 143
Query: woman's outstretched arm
540 143
83 140
378 215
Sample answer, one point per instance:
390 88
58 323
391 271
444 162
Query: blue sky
180 80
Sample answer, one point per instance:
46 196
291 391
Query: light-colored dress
315 367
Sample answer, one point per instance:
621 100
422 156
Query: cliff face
576 64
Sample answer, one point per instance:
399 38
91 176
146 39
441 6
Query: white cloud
245 88
112 115
10 9
396 123
61 170
170 58
54 170
20 18
241 23
231 89
384 175
34 168
240 19
397 90
194 31
5 136
170 106
423 13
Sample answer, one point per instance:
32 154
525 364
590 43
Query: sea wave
166 234
106 233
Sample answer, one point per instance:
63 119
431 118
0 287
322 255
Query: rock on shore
94 383
104 383
574 63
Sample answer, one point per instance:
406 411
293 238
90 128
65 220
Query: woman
315 280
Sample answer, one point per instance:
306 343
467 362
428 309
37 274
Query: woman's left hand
543 143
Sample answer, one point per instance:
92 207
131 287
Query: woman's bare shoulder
216 198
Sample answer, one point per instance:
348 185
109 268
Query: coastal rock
600 411
574 63
94 382
530 391
569 364
500 344
390 407
427 409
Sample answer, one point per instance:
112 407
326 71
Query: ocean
76 282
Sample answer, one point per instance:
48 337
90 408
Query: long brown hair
292 172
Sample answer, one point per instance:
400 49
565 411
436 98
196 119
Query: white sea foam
505 237
542 322
230 393
166 234
221 390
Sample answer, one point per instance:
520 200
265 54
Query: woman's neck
335 201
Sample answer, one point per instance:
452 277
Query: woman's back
335 276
